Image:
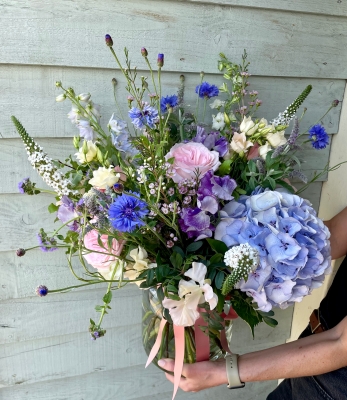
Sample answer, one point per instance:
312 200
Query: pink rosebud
253 152
122 177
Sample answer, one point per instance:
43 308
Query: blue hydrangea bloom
168 102
127 212
147 116
205 90
319 137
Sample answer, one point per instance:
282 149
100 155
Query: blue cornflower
41 290
168 102
127 212
147 116
206 90
319 137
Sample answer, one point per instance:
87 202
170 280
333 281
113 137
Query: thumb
167 363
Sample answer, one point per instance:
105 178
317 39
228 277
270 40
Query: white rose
104 177
87 152
248 126
239 143
218 121
263 150
276 139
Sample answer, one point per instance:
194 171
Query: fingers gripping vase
152 312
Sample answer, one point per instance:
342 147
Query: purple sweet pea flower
196 223
66 212
213 141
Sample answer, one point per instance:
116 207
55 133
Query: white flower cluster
49 173
282 118
243 256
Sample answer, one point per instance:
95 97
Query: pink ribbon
156 345
202 341
179 356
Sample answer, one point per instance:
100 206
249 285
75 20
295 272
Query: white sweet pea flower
218 121
84 97
87 152
263 150
141 263
248 126
217 104
184 312
74 115
276 139
239 143
104 177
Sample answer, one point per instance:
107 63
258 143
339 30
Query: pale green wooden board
280 43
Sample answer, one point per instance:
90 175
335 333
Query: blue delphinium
319 137
168 102
121 143
147 116
127 212
205 90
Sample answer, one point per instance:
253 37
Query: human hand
198 376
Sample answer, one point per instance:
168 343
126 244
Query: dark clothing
332 385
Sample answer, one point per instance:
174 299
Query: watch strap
233 372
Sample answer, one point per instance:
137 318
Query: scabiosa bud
335 103
108 40
160 60
118 187
114 81
41 290
144 52
20 252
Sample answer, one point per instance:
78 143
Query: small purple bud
92 338
160 60
20 252
96 334
335 103
108 40
41 290
118 187
144 52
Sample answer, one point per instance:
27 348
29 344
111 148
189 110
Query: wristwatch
233 372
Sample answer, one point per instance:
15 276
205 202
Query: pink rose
192 159
99 260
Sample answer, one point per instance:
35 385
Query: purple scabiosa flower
127 212
108 40
206 90
168 102
319 137
160 60
147 116
46 243
41 290
20 252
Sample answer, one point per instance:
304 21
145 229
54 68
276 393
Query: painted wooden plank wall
282 44
45 350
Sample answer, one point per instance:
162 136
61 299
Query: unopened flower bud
84 96
61 97
41 290
118 187
99 156
202 74
58 84
20 252
76 142
114 81
160 60
85 147
226 119
335 103
71 91
144 52
280 128
182 78
108 40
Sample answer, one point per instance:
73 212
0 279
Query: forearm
313 355
338 229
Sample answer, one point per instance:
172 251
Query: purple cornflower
41 290
205 90
127 212
319 137
147 116
46 243
168 102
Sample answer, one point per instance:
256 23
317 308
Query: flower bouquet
201 215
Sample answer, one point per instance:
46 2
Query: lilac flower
319 137
46 243
205 90
147 116
168 102
127 212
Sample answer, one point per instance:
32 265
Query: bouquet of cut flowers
201 215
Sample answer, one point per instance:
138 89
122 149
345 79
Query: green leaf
176 260
245 311
272 183
150 276
270 321
178 250
219 279
225 168
92 322
218 246
60 237
216 258
99 308
76 177
160 293
193 247
107 298
52 208
171 288
285 185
